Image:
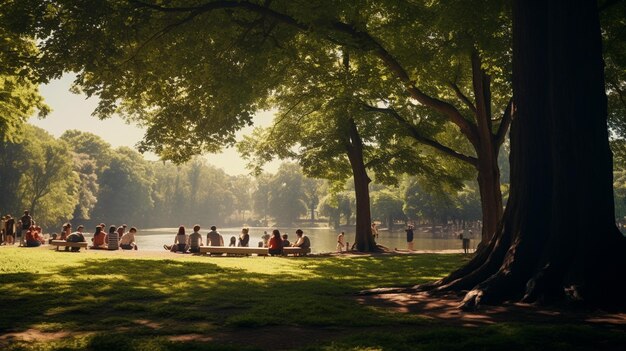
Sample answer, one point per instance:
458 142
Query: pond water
322 239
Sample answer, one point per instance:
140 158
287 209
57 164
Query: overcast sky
72 111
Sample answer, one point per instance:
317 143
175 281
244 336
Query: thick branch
415 134
462 97
370 44
507 117
216 5
482 95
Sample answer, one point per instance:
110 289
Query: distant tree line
79 177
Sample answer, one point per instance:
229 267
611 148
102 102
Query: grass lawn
124 301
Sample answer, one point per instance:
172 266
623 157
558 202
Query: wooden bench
296 251
233 250
261 251
64 243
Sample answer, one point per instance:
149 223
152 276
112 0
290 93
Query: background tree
260 197
387 207
48 185
85 168
286 195
242 191
92 145
125 189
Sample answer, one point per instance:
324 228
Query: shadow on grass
173 296
139 304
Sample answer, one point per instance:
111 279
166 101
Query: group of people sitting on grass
274 243
117 237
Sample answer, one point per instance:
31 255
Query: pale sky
73 111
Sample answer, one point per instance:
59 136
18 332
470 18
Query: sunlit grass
100 297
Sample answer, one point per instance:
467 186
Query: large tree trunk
487 148
364 240
558 232
490 194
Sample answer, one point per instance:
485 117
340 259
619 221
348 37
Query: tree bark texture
558 236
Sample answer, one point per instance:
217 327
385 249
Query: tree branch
507 117
415 134
370 44
364 42
462 96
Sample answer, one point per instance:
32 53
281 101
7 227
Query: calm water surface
322 239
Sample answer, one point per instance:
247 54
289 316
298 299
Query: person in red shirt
98 239
275 245
33 238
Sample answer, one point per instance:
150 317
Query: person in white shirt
340 242
127 242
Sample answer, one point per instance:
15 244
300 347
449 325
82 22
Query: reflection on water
322 239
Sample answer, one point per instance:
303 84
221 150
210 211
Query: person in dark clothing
409 237
244 238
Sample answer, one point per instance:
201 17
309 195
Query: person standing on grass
27 221
214 238
9 230
341 242
127 242
409 237
275 243
195 240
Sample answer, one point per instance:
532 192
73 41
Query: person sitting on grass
33 238
76 237
303 241
195 240
113 239
275 243
98 239
127 242
286 242
180 241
